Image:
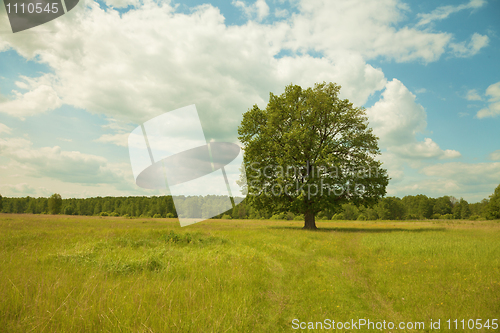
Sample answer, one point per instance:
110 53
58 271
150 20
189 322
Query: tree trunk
310 222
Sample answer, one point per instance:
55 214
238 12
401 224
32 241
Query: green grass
91 274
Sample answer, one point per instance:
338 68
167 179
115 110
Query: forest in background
410 207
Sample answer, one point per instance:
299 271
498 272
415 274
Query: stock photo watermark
27 14
310 180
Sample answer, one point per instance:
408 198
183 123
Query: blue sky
73 89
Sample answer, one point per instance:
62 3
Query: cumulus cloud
68 166
367 28
280 13
120 139
495 156
24 189
472 95
258 10
394 166
137 65
443 12
39 100
396 119
426 149
466 173
5 129
473 182
476 43
149 60
122 3
493 109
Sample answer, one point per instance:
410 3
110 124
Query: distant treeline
410 207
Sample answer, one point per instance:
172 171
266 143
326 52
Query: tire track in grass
358 274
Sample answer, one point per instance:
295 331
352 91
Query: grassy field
91 274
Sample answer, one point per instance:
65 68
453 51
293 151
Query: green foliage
226 217
68 210
338 217
350 211
55 203
308 150
461 210
390 208
361 217
443 206
1 203
418 206
479 208
157 216
323 215
371 214
492 209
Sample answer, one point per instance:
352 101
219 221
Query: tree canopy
493 206
55 203
309 150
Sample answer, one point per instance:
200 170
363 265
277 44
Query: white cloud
472 95
396 119
117 125
151 60
366 28
495 156
280 13
41 99
5 129
122 3
394 166
68 166
493 109
358 79
443 12
426 149
23 189
473 182
434 188
476 43
258 10
465 173
120 139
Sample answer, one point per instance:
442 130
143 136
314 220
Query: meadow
111 274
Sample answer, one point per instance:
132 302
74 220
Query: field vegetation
112 274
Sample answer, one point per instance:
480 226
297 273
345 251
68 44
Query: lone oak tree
309 150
